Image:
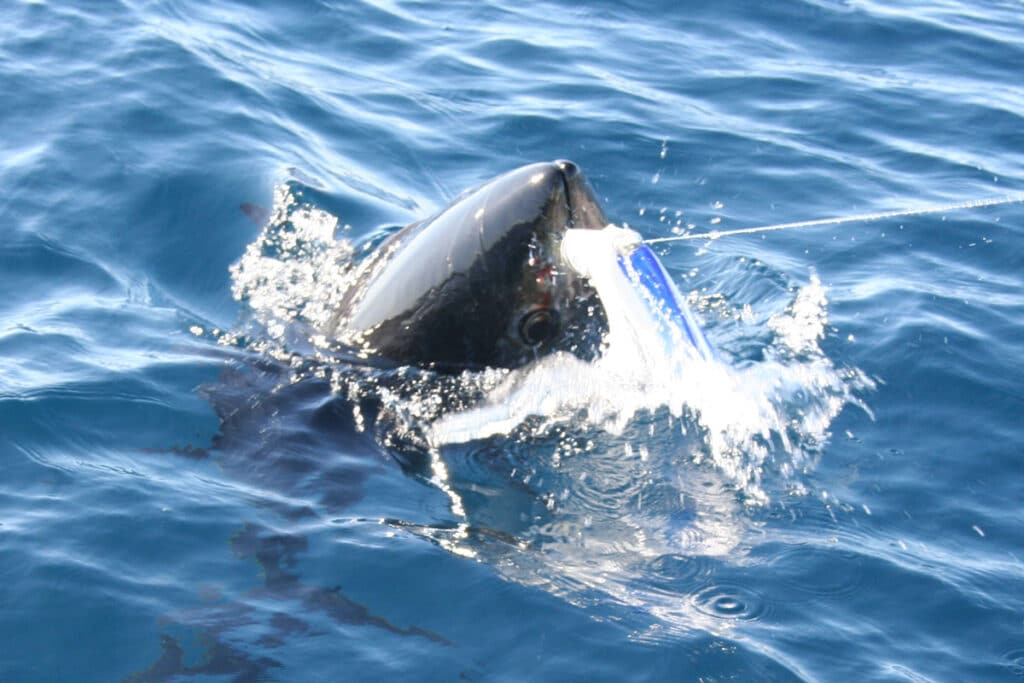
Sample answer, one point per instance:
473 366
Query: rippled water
193 491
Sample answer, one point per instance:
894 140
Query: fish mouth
584 211
565 312
573 206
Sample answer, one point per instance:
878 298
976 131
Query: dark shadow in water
220 624
301 440
221 660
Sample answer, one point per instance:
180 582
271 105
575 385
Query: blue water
173 507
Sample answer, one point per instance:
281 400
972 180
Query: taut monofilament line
859 218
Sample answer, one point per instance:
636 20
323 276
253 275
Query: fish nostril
538 326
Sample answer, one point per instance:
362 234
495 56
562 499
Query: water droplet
730 602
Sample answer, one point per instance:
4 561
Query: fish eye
538 326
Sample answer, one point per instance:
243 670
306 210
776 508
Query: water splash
775 410
294 275
778 409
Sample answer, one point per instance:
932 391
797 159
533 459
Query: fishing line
860 218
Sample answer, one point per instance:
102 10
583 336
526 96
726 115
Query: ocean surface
191 491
